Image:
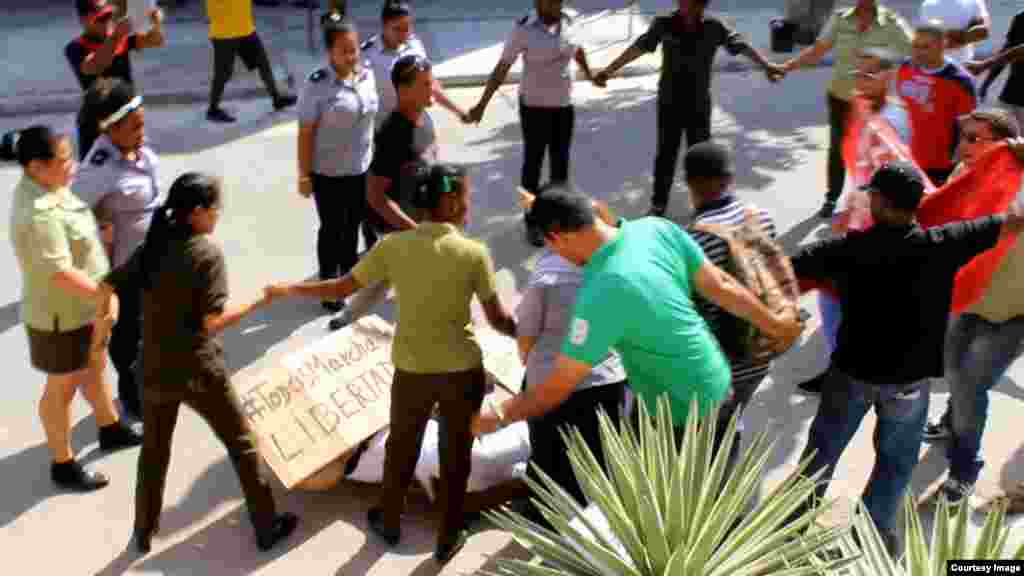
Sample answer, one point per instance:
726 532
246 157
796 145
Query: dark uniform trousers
88 132
413 397
674 116
545 130
838 115
124 347
216 407
341 205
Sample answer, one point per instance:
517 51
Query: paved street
267 232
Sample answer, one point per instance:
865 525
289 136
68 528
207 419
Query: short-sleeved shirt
956 15
382 60
435 271
935 100
889 31
120 67
688 54
397 145
548 53
120 191
344 112
727 211
189 282
637 297
53 232
544 313
895 286
230 19
1013 89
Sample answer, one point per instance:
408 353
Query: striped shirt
728 211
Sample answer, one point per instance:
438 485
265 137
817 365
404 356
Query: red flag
988 187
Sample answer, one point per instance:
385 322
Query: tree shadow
512 551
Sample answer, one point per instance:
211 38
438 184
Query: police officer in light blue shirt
396 40
337 108
118 179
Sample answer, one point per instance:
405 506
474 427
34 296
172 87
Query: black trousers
413 397
250 49
673 119
124 348
87 134
547 448
838 114
341 205
216 407
545 130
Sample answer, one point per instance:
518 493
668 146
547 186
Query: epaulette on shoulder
318 75
368 43
522 21
99 157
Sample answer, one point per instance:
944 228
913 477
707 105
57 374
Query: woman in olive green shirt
436 270
61 259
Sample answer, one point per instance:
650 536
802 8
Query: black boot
282 528
118 436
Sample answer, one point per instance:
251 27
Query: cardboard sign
317 403
501 359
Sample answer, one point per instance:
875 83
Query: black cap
708 160
900 183
395 9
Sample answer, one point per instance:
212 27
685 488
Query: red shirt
934 100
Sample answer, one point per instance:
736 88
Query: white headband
121 112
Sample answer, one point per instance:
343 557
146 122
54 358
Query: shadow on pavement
512 551
189 132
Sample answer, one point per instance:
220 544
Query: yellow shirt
51 232
230 18
888 31
435 271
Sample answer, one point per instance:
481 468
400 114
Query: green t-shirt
636 298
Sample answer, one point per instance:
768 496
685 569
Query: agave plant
948 541
668 509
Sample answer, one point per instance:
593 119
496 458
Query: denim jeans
902 410
978 353
831 315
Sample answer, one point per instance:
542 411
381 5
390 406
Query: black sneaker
338 322
219 115
447 549
658 210
937 431
955 491
282 528
813 386
117 436
375 518
827 209
72 476
332 306
282 102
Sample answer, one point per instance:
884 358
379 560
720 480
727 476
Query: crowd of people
112 264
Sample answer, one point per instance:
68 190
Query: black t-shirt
190 282
399 146
121 67
895 287
1013 90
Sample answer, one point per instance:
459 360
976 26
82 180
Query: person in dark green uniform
184 301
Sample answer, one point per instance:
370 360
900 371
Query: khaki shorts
59 352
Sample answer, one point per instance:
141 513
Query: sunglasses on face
974 137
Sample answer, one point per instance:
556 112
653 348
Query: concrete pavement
463 36
268 232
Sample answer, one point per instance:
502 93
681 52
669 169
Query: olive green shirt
435 271
889 31
52 232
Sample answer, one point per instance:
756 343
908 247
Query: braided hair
171 222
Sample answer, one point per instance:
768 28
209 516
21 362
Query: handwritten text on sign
319 402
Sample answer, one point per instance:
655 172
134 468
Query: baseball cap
92 10
900 183
394 9
708 160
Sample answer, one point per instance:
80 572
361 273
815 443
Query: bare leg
95 386
55 414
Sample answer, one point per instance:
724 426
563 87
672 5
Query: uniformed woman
436 270
546 113
336 117
184 300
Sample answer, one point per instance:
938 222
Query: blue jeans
831 315
978 353
902 410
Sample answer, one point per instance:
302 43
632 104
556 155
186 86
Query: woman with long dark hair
436 270
184 301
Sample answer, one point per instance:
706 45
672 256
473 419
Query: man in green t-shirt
639 279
